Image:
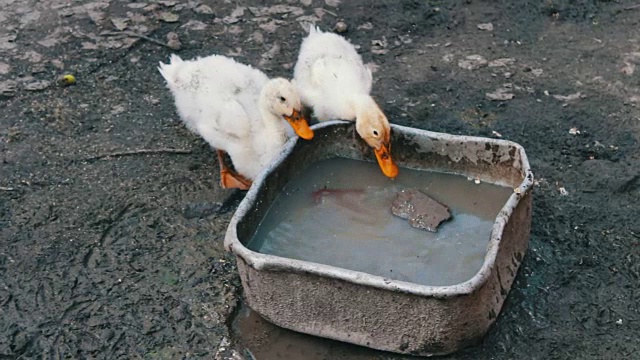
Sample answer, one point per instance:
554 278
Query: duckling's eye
282 99
375 132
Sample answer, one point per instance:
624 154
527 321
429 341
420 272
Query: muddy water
338 213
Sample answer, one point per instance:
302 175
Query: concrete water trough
378 310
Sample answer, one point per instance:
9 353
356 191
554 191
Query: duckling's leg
230 179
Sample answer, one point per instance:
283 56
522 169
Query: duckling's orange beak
300 125
383 154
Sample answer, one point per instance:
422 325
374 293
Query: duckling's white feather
218 98
328 73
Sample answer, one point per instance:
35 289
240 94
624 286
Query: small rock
195 25
380 51
66 12
501 94
472 62
570 97
448 58
477 181
379 43
537 72
57 63
507 75
502 62
169 17
87 45
96 16
269 27
7 42
235 30
32 56
235 15
332 3
173 41
7 88
496 134
136 18
486 27
630 61
340 27
366 26
306 2
230 20
118 109
4 68
379 46
574 131
120 23
37 85
136 5
204 9
405 39
422 211
628 69
257 37
563 191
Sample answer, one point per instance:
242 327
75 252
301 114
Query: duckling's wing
215 97
225 125
328 61
341 74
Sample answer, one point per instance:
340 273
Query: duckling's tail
314 30
170 71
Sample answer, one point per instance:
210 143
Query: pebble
4 68
486 27
204 9
472 62
37 85
340 27
173 41
169 17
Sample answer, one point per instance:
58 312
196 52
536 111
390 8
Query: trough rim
267 262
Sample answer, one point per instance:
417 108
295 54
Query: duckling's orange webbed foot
230 179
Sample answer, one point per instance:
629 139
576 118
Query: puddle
258 339
350 225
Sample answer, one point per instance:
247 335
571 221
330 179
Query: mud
106 255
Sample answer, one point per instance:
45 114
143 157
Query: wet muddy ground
112 220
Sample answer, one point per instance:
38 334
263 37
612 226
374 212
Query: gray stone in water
422 211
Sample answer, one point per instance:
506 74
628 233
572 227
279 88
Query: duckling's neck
274 130
359 104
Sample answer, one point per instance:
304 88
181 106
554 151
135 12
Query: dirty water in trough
338 212
112 219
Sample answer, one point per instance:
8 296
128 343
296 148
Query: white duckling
237 110
332 79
